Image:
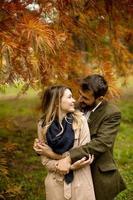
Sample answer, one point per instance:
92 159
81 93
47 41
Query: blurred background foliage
50 42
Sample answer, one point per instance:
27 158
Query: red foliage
63 40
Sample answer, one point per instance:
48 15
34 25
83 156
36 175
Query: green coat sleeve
104 140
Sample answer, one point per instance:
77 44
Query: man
104 120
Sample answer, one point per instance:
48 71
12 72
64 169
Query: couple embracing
76 145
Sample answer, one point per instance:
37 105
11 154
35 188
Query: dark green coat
104 124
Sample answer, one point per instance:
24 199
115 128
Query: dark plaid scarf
60 143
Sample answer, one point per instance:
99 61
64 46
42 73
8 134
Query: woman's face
67 102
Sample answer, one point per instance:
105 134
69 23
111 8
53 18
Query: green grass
12 90
18 119
15 107
124 149
25 178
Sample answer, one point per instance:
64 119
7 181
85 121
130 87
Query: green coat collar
94 115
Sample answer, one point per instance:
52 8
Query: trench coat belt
67 190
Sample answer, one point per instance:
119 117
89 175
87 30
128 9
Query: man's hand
64 165
45 150
82 162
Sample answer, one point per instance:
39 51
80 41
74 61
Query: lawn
21 173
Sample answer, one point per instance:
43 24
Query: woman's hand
64 165
40 147
45 150
82 162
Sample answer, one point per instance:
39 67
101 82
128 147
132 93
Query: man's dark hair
95 83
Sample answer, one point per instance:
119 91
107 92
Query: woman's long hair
51 108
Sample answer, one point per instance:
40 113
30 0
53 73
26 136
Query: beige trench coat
82 186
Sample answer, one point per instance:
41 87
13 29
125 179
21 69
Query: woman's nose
74 100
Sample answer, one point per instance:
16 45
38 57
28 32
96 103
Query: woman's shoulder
80 115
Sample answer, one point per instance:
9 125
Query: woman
62 128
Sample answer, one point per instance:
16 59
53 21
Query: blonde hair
51 109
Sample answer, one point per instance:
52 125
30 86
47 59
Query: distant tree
55 41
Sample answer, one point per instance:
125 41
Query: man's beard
84 107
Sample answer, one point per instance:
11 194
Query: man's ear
100 98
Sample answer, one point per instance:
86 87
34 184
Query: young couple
79 168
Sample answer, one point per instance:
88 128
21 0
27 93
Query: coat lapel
94 116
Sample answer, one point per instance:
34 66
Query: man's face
86 100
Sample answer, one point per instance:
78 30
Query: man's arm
64 165
84 136
105 139
46 151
